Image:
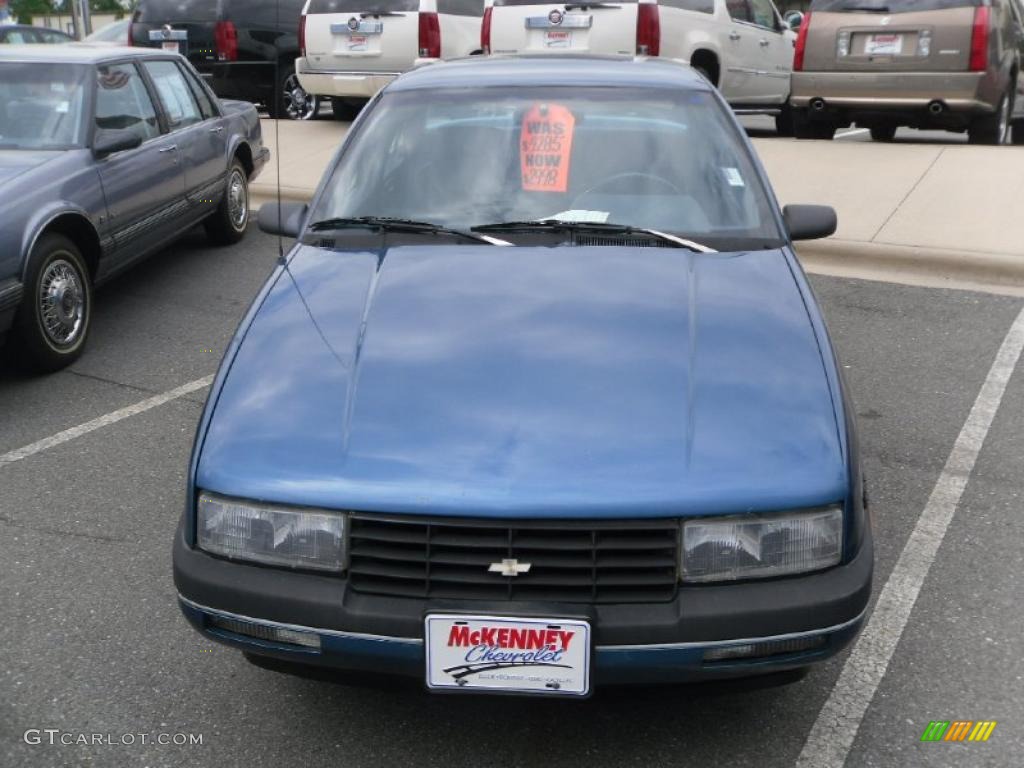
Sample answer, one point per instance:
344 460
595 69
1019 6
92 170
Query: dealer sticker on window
506 654
546 148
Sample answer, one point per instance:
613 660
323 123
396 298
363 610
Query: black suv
246 49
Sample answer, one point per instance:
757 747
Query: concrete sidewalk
920 213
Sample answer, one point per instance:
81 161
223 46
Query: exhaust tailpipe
936 107
818 105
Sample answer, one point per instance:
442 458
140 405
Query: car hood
15 162
559 382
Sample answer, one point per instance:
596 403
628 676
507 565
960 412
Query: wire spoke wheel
238 200
62 300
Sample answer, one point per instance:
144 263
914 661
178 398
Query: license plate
557 38
884 45
171 45
357 42
508 654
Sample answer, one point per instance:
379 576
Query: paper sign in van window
546 148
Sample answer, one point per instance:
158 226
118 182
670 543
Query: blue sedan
540 400
106 155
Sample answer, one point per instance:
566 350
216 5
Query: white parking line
852 132
103 421
832 735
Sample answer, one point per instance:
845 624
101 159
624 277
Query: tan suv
945 64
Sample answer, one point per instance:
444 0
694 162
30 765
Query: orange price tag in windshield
546 147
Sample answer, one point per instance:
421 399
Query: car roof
547 69
76 53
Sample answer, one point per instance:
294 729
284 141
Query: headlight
761 546
246 530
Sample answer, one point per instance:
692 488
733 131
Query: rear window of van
162 11
546 5
363 6
890 6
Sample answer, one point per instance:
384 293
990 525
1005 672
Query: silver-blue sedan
106 155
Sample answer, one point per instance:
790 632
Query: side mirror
793 20
111 140
810 222
290 222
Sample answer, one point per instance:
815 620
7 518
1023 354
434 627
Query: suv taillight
430 35
648 30
225 40
801 43
485 31
302 36
979 40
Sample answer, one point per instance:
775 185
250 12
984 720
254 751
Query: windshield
41 105
658 159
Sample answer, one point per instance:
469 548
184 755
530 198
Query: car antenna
275 110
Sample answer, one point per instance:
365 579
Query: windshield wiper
389 224
558 225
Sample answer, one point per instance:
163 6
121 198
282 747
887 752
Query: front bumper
635 643
963 92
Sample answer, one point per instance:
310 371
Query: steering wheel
627 175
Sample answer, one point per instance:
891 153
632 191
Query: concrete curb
265 193
914 265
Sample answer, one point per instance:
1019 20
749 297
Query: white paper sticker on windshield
62 108
581 216
732 175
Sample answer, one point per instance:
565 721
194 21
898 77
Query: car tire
884 133
346 109
227 224
784 121
994 128
291 101
805 128
52 323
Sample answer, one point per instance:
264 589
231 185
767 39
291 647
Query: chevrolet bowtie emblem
509 567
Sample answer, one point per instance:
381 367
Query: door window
739 10
175 95
764 13
201 96
47 36
20 37
122 101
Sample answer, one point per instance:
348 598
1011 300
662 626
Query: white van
742 46
350 49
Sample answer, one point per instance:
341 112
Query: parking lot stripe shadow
836 726
104 421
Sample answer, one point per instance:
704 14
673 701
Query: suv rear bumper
874 92
346 83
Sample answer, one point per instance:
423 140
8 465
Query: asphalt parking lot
92 640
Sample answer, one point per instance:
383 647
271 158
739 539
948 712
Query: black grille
624 241
579 562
